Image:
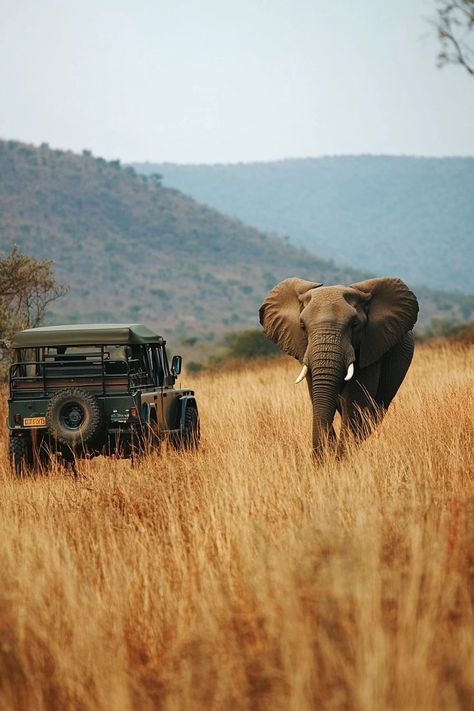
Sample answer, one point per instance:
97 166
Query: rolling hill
410 216
132 249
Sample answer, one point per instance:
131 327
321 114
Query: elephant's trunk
327 357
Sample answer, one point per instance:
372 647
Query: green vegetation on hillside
131 249
413 217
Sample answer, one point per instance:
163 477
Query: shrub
251 343
194 367
464 334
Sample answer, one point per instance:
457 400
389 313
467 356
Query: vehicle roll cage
92 368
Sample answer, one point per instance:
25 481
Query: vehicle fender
184 402
148 413
144 413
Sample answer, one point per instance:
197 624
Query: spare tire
74 416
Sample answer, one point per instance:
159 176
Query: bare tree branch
455 28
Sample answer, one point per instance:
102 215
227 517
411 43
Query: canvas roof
87 334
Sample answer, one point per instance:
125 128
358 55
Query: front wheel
20 454
191 433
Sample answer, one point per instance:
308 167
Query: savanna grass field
244 575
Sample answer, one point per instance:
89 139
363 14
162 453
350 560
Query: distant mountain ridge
133 250
385 214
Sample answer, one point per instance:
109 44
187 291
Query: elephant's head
334 331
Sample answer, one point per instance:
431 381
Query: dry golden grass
244 576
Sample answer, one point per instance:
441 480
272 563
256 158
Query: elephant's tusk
350 372
302 375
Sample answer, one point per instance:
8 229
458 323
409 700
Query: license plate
34 421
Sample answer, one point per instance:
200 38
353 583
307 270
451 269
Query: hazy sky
217 80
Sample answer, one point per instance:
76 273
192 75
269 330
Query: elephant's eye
302 326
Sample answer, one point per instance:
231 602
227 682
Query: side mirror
176 364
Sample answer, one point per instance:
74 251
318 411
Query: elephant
355 344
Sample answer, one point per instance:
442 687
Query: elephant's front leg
359 408
394 366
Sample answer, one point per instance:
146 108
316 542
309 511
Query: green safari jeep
94 389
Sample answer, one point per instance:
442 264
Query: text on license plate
34 421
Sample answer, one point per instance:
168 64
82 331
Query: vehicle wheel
21 455
74 416
191 432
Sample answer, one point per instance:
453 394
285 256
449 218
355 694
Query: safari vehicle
94 389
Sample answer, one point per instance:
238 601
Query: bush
442 328
194 367
464 335
251 343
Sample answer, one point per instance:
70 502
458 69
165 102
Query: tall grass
244 576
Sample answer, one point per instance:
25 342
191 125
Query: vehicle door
170 396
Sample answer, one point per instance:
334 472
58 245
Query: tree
251 343
27 286
155 179
455 28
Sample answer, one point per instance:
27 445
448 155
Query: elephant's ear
280 315
392 311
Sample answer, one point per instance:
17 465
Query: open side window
141 369
28 361
168 378
155 357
